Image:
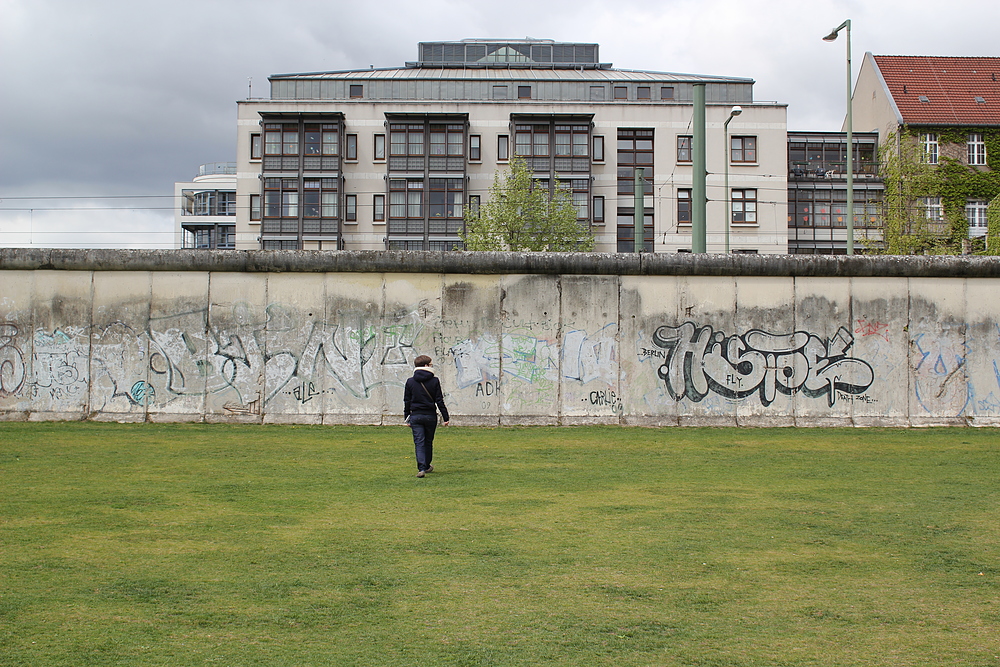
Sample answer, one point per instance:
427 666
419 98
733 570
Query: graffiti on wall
697 361
12 370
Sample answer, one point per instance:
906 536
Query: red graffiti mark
866 328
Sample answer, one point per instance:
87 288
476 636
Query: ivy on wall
908 179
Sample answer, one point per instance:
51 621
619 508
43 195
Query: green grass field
307 546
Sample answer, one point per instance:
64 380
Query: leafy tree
518 216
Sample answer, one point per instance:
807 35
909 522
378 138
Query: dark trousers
423 427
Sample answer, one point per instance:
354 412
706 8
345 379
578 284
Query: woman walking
422 398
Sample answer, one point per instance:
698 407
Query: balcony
818 170
217 169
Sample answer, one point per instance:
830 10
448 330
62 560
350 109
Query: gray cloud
124 98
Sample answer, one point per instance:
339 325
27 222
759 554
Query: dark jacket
419 402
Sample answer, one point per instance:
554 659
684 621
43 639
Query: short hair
422 360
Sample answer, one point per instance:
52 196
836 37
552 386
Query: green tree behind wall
518 216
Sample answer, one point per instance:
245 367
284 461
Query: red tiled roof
949 84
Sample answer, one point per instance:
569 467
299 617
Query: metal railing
217 168
815 170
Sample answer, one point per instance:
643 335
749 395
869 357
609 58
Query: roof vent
923 98
979 100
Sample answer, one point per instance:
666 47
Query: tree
518 216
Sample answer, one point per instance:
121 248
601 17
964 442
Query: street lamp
736 111
850 137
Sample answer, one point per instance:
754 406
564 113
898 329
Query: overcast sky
107 98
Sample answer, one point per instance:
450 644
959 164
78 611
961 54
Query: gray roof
533 73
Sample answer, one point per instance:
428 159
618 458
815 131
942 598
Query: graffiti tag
700 360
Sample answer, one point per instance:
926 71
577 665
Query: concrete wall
304 337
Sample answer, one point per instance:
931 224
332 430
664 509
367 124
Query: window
621 92
642 93
444 198
598 149
227 237
743 149
531 140
311 198
475 152
684 206
474 204
351 208
683 149
744 206
378 208
977 149
599 209
745 251
626 230
929 143
352 147
503 148
975 213
256 147
572 140
447 140
635 149
406 200
666 92
932 209
579 189
378 148
272 139
208 202
499 92
357 90
524 92
330 139
255 207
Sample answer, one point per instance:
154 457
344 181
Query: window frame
689 140
351 147
356 91
976 146
256 146
643 93
523 92
475 148
743 149
597 148
976 215
931 149
598 209
666 92
350 208
684 195
378 146
743 200
255 210
503 147
619 92
378 208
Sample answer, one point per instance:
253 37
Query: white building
389 158
205 208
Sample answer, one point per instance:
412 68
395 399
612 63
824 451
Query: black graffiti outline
758 362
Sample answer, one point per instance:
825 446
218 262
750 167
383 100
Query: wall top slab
497 263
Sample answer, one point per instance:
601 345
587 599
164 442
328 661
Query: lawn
305 546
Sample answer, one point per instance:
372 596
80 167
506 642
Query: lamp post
850 138
728 215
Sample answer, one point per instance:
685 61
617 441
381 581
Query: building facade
392 158
817 192
938 120
205 208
